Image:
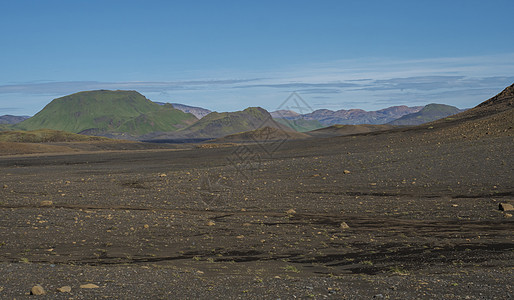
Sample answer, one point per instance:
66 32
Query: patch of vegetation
24 260
291 268
398 270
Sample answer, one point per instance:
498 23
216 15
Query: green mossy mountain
216 124
106 112
429 113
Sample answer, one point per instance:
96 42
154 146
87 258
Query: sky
229 55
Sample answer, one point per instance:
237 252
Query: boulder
506 207
37 290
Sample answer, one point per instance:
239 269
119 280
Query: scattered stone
146 226
64 289
378 296
506 207
89 286
507 215
5 186
240 237
46 203
344 225
210 223
455 205
291 211
162 175
37 290
242 209
346 172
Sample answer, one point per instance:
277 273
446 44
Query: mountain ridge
216 125
352 116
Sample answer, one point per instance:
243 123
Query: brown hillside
262 135
494 117
340 130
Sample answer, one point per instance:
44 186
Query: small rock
46 203
378 296
37 290
346 172
5 186
89 286
146 226
344 225
455 205
162 175
506 207
507 215
291 211
240 237
210 223
64 289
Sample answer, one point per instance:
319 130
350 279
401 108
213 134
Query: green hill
429 113
102 112
221 124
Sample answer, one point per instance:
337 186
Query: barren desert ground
401 214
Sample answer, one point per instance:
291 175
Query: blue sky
228 55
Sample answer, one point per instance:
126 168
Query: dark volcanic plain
420 205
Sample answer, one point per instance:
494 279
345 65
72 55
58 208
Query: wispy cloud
319 91
64 87
369 84
302 85
430 83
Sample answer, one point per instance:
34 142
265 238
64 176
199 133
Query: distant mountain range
350 117
10 119
129 115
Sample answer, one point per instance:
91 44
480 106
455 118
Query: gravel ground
401 215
